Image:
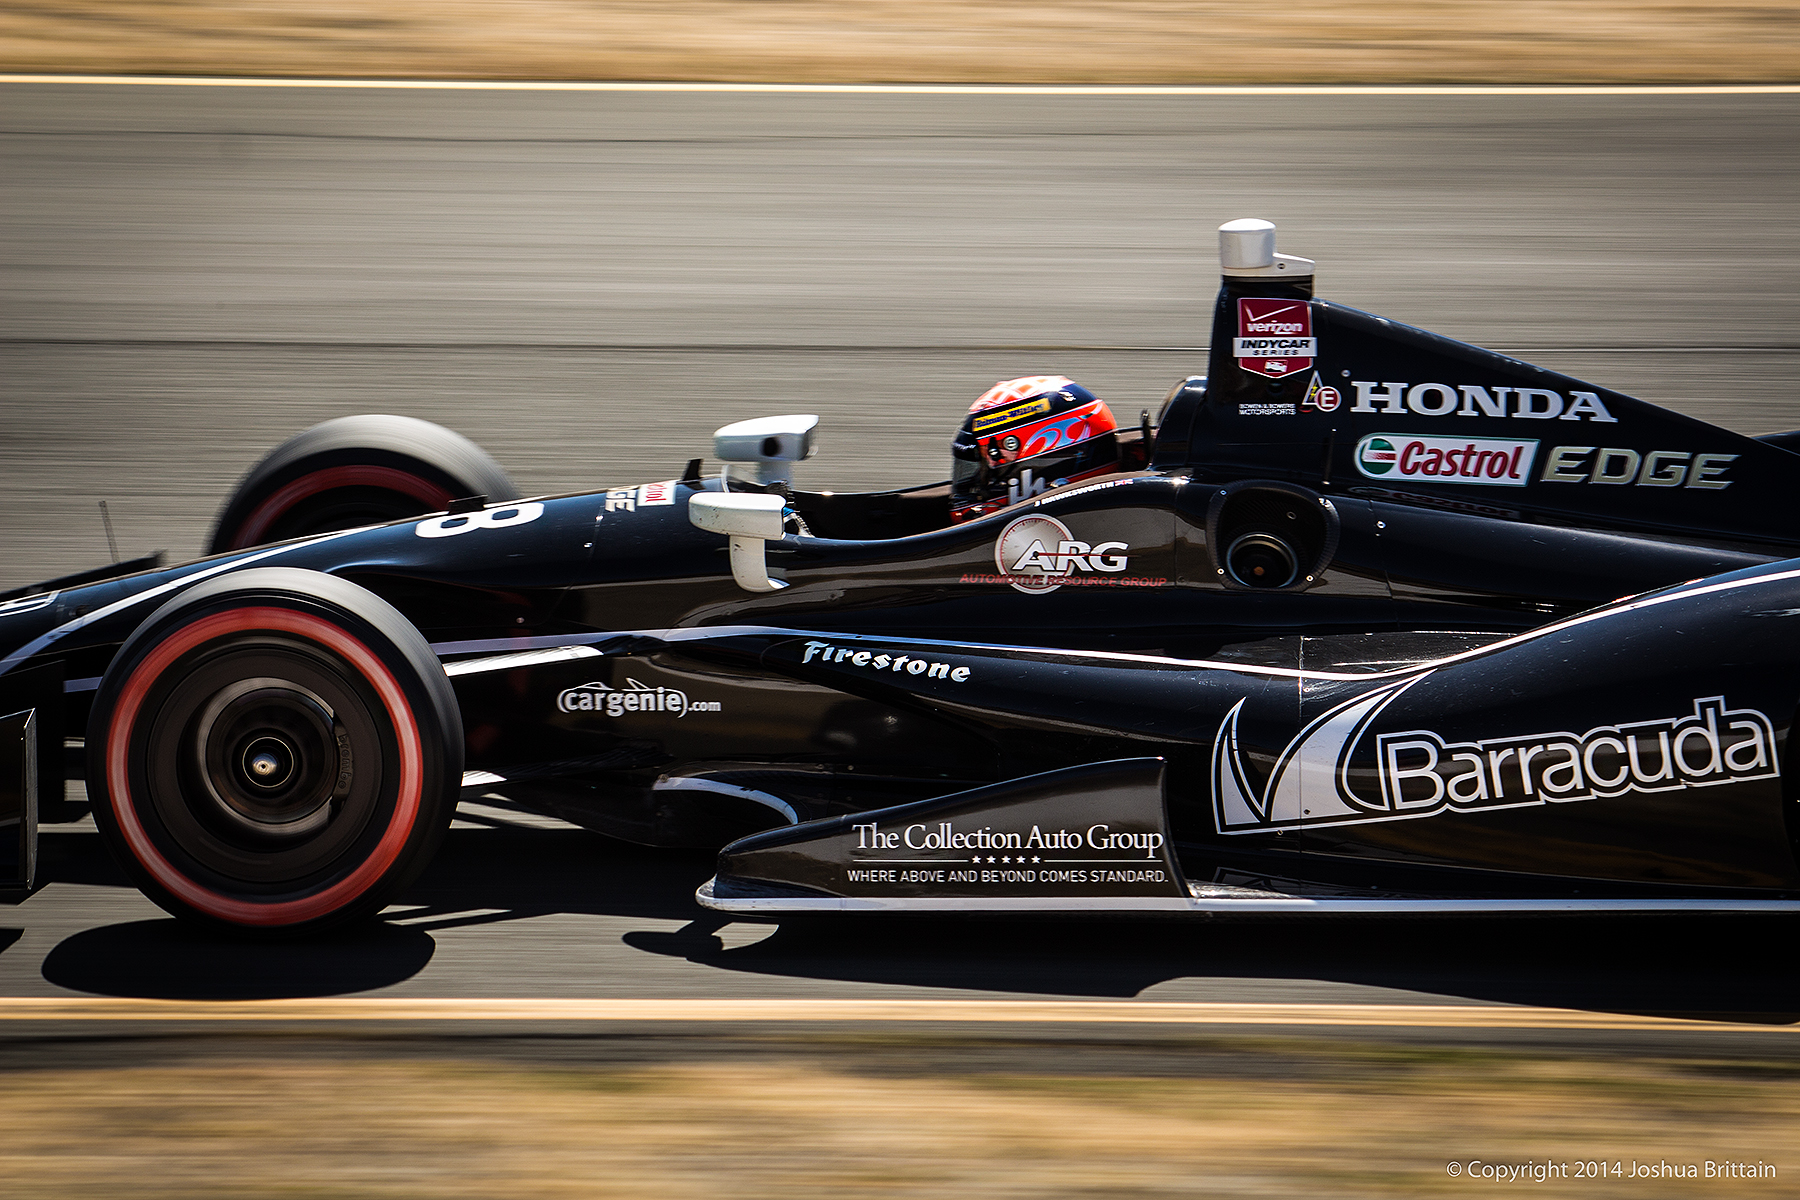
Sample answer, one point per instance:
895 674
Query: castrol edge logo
1038 554
1493 462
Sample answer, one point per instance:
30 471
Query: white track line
935 89
1035 1012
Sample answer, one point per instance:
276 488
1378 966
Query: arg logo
1038 554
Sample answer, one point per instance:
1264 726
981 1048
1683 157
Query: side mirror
770 443
749 519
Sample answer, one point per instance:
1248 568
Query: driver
1026 436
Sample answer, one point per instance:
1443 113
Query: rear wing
1331 397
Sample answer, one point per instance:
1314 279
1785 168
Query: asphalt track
588 282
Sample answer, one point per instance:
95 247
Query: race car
1363 618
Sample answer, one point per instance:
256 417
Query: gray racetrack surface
587 284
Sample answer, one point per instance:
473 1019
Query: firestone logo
878 660
1038 554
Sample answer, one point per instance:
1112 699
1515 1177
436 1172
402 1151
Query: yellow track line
941 89
1025 1012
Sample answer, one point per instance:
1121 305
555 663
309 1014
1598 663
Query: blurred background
930 41
588 280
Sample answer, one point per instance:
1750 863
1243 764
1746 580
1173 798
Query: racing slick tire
276 751
355 471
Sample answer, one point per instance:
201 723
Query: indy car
1363 620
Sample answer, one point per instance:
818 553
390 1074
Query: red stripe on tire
392 479
400 713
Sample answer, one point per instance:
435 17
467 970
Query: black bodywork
609 669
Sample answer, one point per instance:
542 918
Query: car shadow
494 876
503 874
170 960
1729 968
1717 968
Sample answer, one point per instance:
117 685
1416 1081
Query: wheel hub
269 754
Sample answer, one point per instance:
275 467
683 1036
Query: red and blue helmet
1025 436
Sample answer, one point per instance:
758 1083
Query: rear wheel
355 471
274 750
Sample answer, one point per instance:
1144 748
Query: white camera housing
1247 249
768 445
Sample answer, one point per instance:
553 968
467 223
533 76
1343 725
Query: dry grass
1385 1125
989 41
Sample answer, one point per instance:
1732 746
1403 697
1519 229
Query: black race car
1339 628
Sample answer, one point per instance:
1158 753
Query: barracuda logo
635 697
1419 774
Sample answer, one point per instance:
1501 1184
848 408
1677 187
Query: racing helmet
1026 436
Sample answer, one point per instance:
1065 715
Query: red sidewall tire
429 495
352 471
402 751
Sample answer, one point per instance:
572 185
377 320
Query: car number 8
498 517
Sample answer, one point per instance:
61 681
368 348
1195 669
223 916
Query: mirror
749 519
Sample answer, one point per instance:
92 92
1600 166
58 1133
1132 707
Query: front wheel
274 750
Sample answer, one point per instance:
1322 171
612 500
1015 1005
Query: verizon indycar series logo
1490 461
1275 337
1038 554
1323 776
634 697
1474 400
